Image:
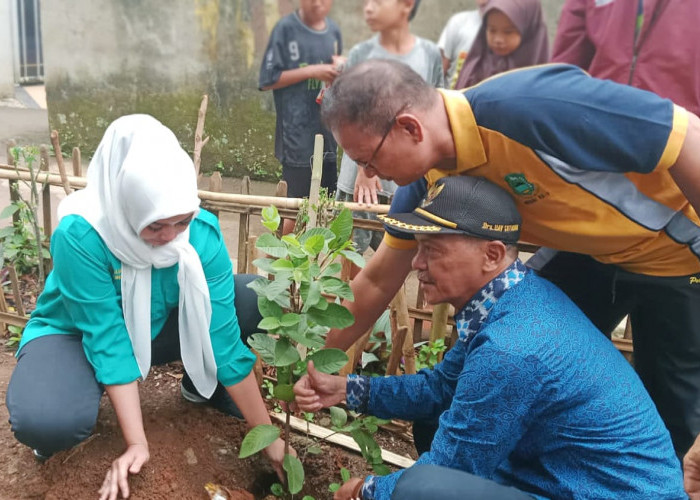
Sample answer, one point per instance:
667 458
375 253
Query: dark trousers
298 179
665 316
53 396
430 482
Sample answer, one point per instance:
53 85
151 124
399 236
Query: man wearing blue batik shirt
533 401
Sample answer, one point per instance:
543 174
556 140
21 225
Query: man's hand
350 490
691 471
317 390
116 479
366 188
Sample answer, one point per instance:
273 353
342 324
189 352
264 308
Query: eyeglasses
365 164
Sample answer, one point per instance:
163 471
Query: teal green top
83 296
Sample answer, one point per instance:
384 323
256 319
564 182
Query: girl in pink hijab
513 35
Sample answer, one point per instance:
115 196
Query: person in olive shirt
141 276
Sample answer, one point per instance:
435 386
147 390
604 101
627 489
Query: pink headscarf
527 16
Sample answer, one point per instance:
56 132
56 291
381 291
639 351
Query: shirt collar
468 144
470 318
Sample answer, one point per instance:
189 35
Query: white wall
7 69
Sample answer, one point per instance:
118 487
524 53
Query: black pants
53 396
298 179
665 316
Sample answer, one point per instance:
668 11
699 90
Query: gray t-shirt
456 40
293 45
425 59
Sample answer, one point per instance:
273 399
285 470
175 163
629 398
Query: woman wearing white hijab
137 265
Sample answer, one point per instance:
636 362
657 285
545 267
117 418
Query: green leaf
381 469
335 316
367 358
277 489
289 319
307 497
295 473
7 231
337 287
332 269
314 449
291 240
271 245
264 345
285 353
326 233
264 264
271 218
354 257
269 308
329 360
338 416
344 474
284 392
342 227
311 295
314 245
282 265
269 323
333 487
259 438
8 210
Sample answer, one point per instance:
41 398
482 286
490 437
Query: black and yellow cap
462 205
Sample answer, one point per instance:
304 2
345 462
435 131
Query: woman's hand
350 490
275 454
366 188
116 479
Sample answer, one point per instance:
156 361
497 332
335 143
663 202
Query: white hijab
139 175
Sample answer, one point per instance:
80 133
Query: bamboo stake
402 343
216 185
45 192
198 142
281 192
14 185
316 173
59 161
7 172
339 439
14 281
438 325
77 162
252 254
243 229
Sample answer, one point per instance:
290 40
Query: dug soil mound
191 445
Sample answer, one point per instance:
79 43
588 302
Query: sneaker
220 400
39 456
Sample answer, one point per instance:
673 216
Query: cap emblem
433 193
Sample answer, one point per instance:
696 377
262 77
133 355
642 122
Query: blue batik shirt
534 397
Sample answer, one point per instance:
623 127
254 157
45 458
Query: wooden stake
438 325
339 439
14 185
59 161
402 343
14 281
316 173
77 163
199 143
45 192
252 255
243 230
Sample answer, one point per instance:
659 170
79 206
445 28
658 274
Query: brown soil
190 446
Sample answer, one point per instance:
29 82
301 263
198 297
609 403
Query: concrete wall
106 58
7 69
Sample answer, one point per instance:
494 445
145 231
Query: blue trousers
53 396
429 482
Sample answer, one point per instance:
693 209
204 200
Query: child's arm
323 72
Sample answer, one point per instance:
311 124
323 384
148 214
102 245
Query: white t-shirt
456 40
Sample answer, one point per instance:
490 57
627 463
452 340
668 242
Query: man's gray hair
372 93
